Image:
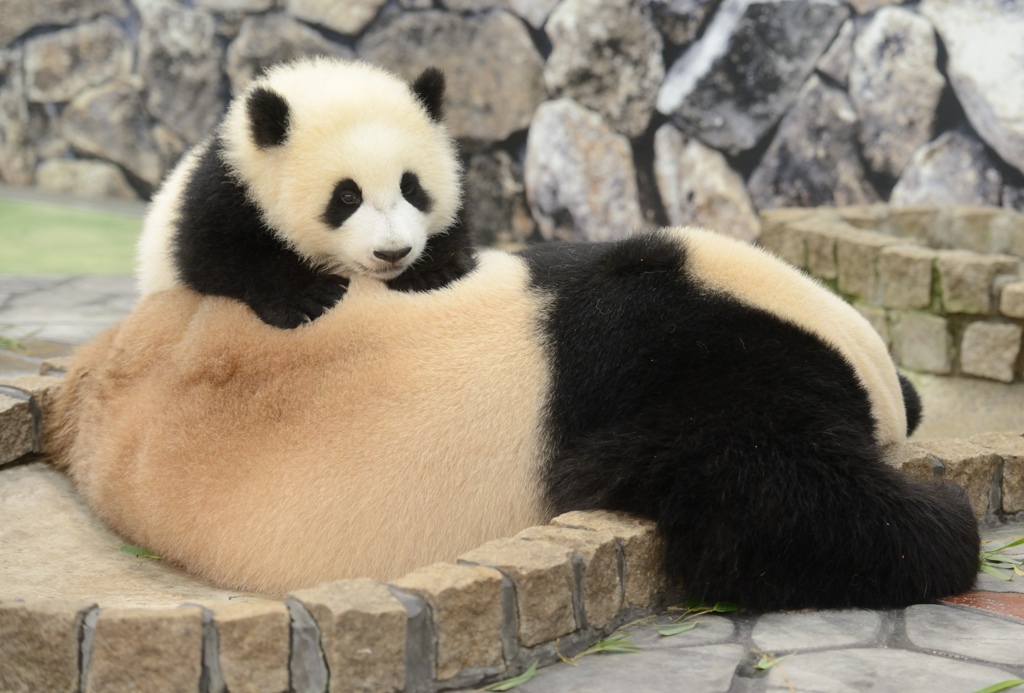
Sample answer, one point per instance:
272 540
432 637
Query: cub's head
350 165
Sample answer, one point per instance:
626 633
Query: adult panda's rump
710 387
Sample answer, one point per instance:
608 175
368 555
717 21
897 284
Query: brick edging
943 286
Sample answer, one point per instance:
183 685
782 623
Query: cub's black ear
268 117
429 89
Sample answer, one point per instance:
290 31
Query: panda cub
323 169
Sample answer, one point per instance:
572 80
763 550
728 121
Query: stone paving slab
53 547
63 309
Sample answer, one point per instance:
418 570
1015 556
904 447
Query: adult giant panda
678 375
321 169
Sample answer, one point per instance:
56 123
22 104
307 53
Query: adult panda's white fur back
321 170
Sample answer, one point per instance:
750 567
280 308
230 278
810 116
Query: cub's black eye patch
414 193
344 202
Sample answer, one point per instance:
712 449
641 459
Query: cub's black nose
392 255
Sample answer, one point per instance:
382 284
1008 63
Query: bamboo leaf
509 684
138 552
995 573
676 630
1001 686
725 607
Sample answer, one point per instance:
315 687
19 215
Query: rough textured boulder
62 64
348 17
956 168
813 159
180 59
606 55
985 41
264 40
17 153
84 179
580 179
680 20
735 83
111 122
697 186
533 11
496 199
20 16
895 86
491 94
835 63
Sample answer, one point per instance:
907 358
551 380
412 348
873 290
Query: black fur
222 247
269 117
414 193
748 440
912 402
429 89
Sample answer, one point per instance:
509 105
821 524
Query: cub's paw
288 310
429 276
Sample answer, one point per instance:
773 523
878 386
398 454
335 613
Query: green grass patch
37 238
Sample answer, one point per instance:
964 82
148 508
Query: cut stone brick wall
943 286
549 591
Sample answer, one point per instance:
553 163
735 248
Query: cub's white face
362 174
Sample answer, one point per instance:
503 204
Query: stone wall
944 286
577 118
549 591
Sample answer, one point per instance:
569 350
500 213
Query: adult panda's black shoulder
323 169
705 384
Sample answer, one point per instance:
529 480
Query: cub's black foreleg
447 257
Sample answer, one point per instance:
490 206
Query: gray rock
680 20
735 83
349 17
234 5
986 51
496 199
1013 197
697 186
110 122
580 179
703 669
868 6
22 15
895 86
606 55
954 169
968 634
884 669
61 64
84 179
533 11
813 159
816 630
267 39
491 93
835 63
17 148
180 59
921 342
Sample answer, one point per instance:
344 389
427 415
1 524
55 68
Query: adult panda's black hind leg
778 527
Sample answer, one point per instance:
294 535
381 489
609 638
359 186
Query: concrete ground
51 546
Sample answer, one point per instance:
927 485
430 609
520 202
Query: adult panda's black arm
222 247
447 256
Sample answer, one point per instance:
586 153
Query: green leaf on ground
767 661
676 630
1001 686
992 563
509 684
136 551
